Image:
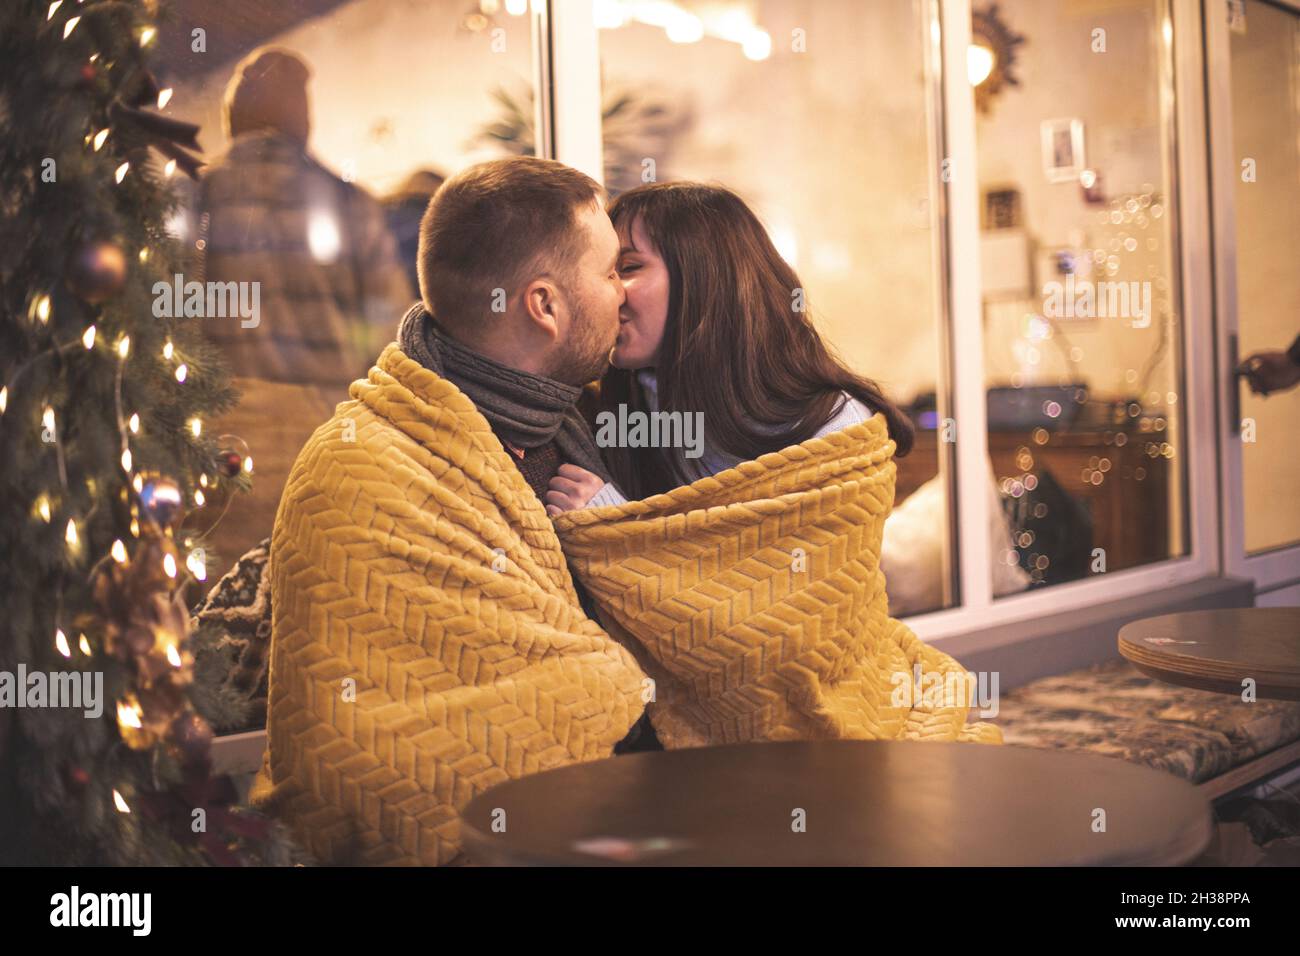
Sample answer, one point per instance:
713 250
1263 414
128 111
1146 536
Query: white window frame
1279 567
574 82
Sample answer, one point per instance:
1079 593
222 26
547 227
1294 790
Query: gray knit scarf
524 410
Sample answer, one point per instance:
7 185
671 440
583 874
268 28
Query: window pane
392 96
1266 128
1080 301
817 113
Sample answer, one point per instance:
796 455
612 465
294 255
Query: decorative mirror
991 59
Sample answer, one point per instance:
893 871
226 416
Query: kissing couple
466 588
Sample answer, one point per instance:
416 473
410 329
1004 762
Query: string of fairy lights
159 496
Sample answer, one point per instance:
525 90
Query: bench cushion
1114 710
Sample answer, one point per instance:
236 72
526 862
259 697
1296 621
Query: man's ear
542 307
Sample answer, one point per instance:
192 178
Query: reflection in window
1266 127
817 114
323 150
1079 289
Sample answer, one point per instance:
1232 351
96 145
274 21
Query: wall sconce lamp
991 57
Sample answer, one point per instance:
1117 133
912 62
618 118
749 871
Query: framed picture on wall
1063 153
1001 208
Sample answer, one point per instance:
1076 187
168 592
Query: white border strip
575 77
975 572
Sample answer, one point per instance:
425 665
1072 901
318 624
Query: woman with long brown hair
745 572
714 325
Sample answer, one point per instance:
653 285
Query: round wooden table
1217 650
841 803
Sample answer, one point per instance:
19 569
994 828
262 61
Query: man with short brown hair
517 266
427 638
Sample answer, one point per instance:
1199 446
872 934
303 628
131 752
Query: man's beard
586 354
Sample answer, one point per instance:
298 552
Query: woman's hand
571 489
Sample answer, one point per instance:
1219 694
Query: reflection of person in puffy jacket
328 270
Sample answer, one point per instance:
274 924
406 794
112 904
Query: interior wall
397 85
1116 95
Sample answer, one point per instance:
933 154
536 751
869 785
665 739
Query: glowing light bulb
757 45
170 168
84 645
134 424
70 535
683 27
119 551
128 715
88 338
61 642
126 460
979 63
181 371
169 565
164 97
4 399
53 6
43 308
99 138
120 803
147 35
120 174
173 655
197 568
323 237
196 427
168 350
124 346
70 26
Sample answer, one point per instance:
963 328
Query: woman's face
643 316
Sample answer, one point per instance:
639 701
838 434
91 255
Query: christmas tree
105 464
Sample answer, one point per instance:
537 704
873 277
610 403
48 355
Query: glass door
1254 51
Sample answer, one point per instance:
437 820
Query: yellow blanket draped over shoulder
427 641
758 607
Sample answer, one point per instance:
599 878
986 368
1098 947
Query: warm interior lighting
757 45
323 237
979 63
683 27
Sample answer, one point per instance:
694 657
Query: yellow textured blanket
757 604
427 642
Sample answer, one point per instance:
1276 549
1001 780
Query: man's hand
1269 372
571 489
